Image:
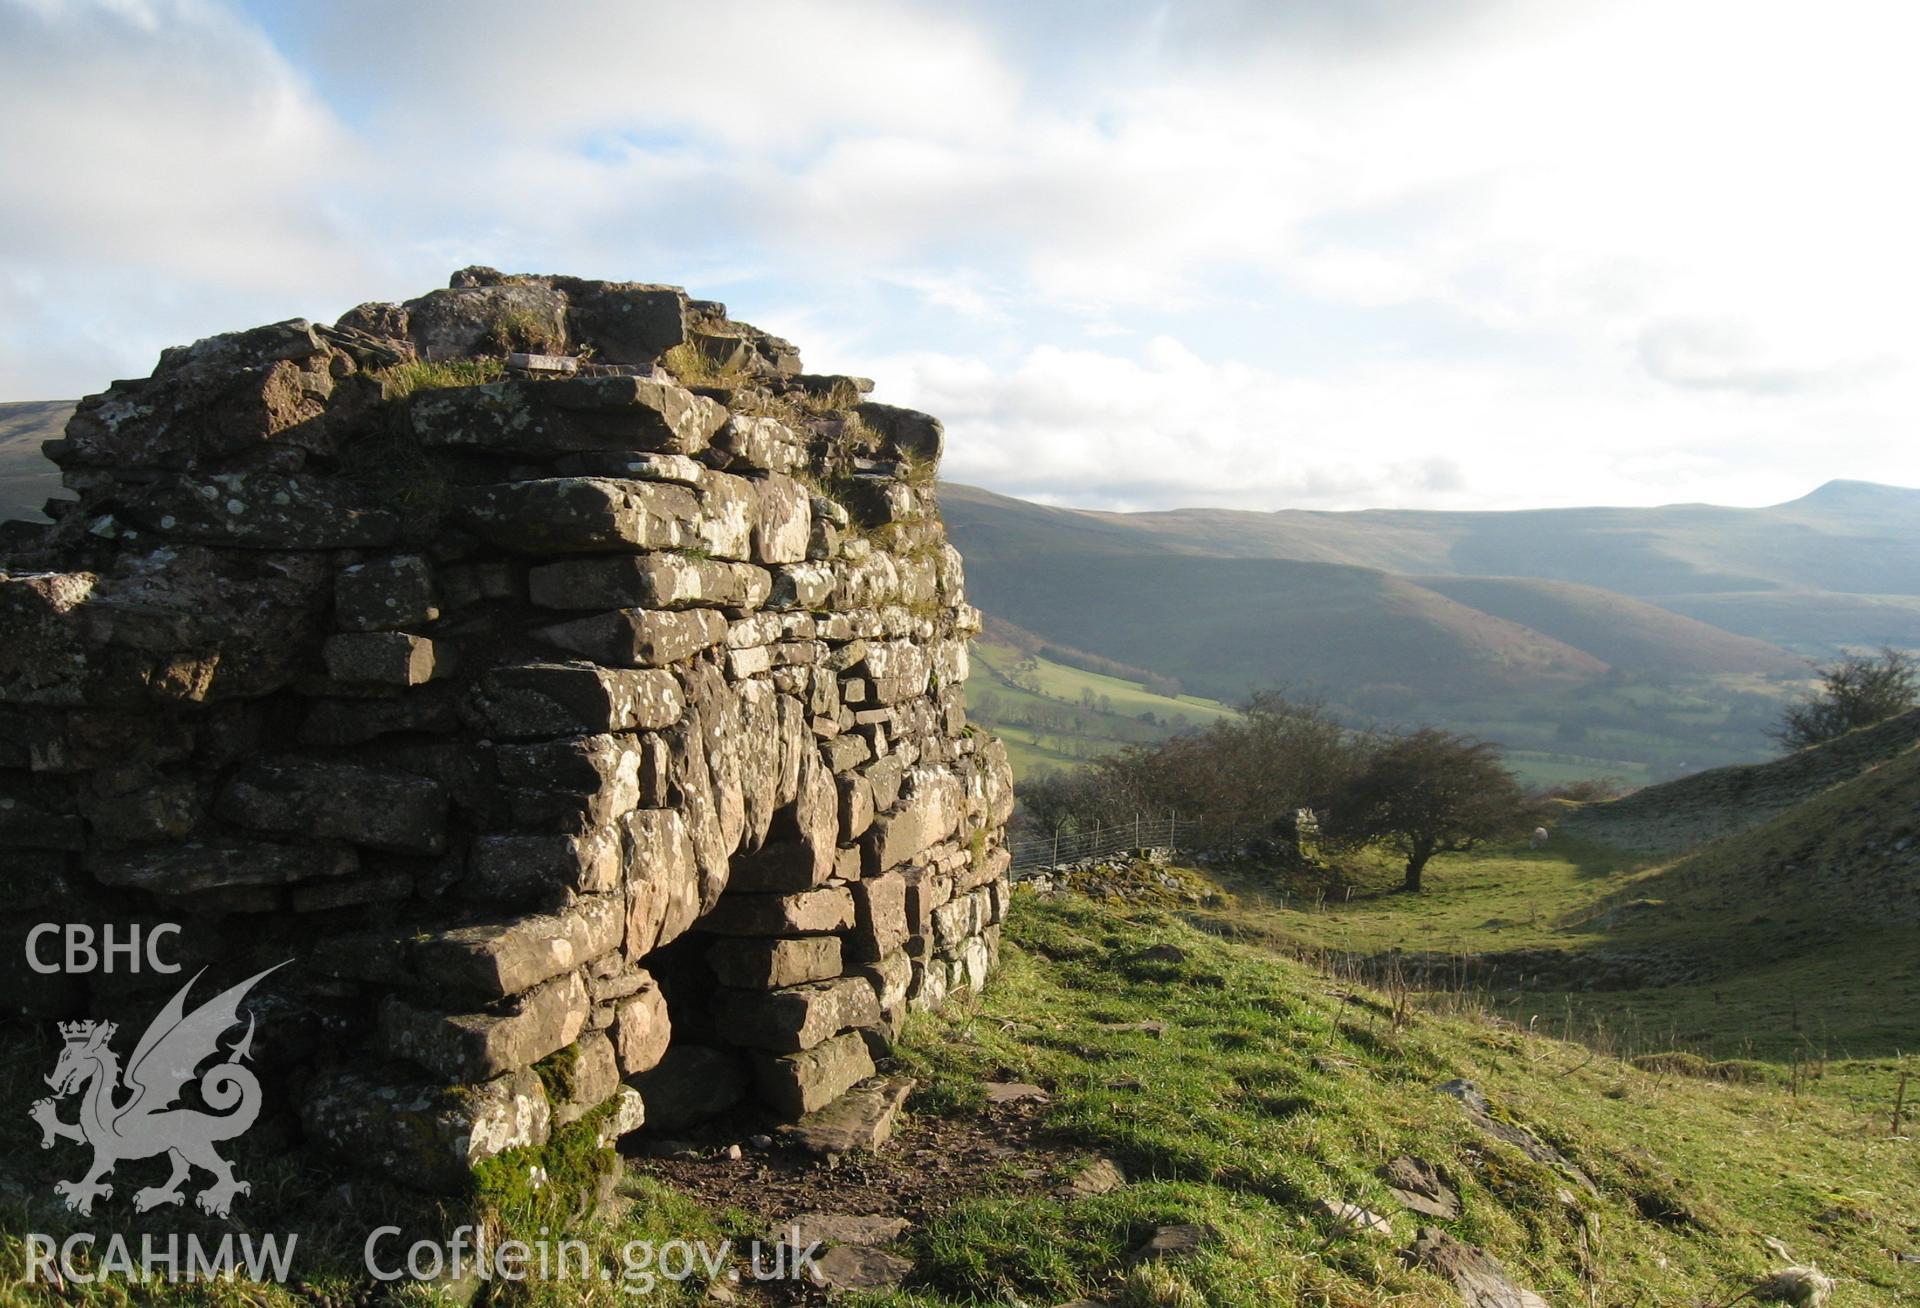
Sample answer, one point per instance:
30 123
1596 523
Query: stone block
761 443
800 1083
810 912
262 511
540 868
908 433
638 638
490 960
553 417
751 964
802 586
729 507
798 1017
627 465
929 985
891 978
625 322
955 921
198 867
480 1046
388 1123
380 658
595 776
535 700
856 806
886 776
662 877
581 515
880 923
584 1075
389 594
382 809
649 581
935 807
642 1029
751 662
784 521
860 1121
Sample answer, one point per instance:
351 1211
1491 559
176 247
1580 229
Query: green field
1057 717
1053 716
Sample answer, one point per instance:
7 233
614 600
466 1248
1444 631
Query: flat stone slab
1419 1187
1476 1274
1013 1092
1519 1137
842 1228
860 1119
851 1267
1352 1218
1157 1030
1098 1177
1174 1241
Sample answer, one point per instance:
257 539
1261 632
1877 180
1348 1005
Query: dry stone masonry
568 683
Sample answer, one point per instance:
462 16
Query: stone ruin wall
590 734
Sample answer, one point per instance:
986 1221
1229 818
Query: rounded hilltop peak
1842 492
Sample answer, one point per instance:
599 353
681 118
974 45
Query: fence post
1056 848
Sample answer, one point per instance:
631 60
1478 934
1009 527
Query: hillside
1850 537
1052 715
1689 811
1840 566
1622 632
1223 626
1843 861
26 478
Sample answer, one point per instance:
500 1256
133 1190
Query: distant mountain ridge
1453 604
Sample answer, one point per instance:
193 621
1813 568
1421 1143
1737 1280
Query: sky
1285 254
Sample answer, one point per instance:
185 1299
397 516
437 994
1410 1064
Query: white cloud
1479 237
1170 427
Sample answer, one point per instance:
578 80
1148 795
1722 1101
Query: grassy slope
26 478
1688 811
1272 1088
1798 931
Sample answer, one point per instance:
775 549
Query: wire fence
1101 842
1231 834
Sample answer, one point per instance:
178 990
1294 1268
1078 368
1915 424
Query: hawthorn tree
1858 691
1425 793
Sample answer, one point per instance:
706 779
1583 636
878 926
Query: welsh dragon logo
145 1122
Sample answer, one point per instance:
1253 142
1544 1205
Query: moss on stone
559 1074
550 1182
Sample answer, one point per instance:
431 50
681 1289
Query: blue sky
1479 254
